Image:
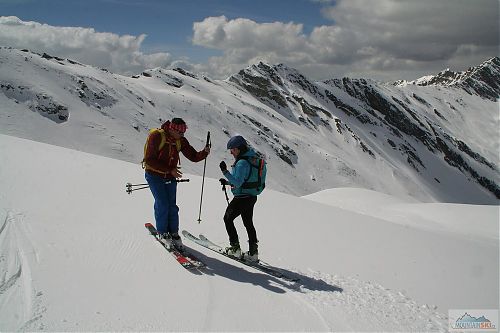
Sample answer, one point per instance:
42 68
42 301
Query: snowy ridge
79 257
431 142
481 80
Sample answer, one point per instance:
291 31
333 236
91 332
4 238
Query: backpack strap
163 138
178 146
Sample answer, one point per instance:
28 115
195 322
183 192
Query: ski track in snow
20 303
207 322
364 306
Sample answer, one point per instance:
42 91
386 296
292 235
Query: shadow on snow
241 273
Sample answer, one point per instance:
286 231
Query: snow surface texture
75 256
435 143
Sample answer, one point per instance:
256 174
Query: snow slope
75 255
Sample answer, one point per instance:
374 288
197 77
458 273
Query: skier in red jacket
162 168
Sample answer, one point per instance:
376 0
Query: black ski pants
241 206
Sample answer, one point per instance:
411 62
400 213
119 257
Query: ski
260 266
186 259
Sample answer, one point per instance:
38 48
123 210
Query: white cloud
382 39
385 39
221 33
119 54
245 41
423 30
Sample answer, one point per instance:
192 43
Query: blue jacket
239 173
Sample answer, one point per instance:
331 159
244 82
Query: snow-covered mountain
481 80
433 139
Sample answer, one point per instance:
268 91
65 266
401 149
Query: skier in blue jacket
243 201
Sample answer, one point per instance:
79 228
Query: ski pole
209 144
224 182
129 188
131 185
225 192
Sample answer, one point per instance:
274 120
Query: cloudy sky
381 39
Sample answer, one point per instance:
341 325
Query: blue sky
168 24
380 39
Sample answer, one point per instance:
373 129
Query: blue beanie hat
236 142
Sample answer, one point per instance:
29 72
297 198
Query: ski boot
253 254
166 240
234 250
177 241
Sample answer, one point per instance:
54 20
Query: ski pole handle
209 143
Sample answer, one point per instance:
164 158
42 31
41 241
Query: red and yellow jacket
161 152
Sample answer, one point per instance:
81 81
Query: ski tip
148 224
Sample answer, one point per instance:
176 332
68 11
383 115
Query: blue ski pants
166 209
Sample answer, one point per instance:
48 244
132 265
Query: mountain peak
482 80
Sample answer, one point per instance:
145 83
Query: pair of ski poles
129 188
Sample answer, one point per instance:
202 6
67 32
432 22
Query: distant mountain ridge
481 80
429 138
290 93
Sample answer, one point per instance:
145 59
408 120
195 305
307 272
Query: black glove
223 166
223 181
